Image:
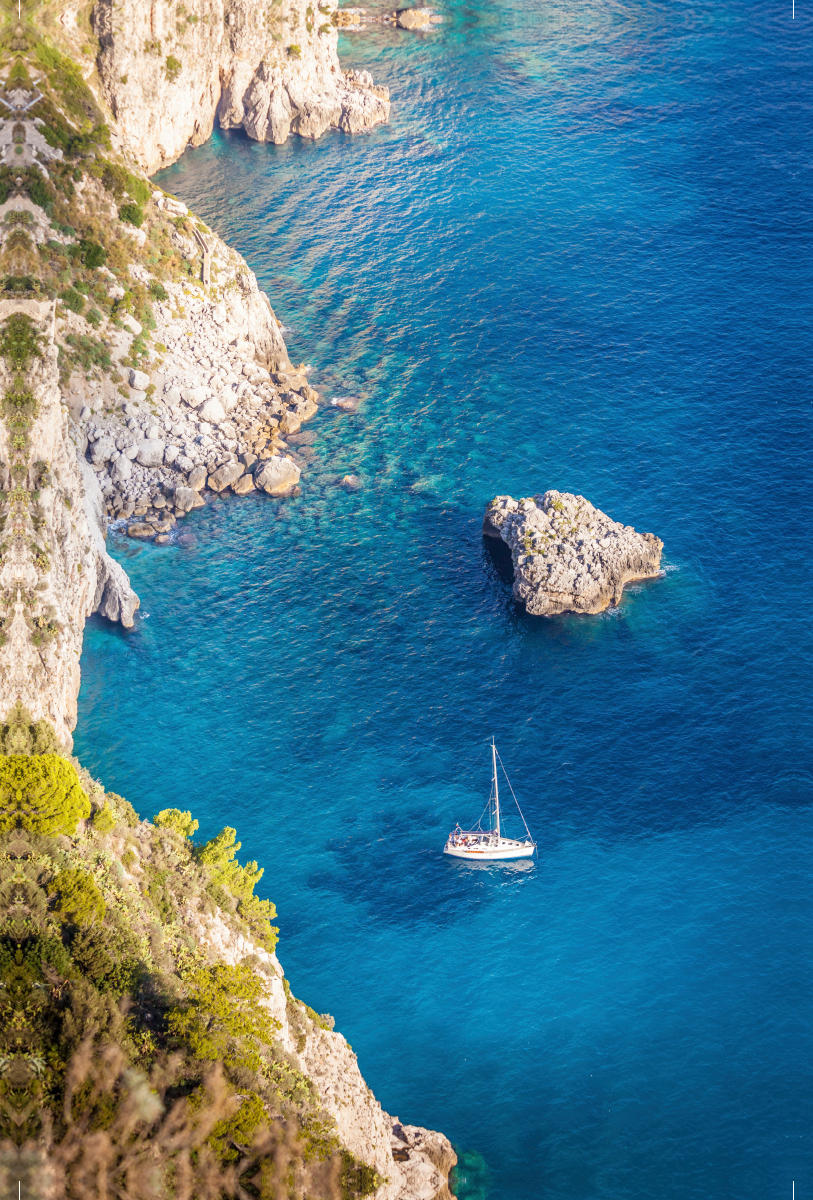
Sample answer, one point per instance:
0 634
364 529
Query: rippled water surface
578 257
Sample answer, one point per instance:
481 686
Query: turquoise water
576 258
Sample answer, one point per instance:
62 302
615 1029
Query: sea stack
568 555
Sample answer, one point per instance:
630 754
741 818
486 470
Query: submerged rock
414 18
569 556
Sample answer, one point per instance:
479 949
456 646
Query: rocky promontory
272 70
568 555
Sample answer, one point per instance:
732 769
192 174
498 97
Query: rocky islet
568 556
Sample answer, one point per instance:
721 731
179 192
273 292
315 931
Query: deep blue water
578 257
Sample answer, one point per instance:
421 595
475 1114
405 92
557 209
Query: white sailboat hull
501 851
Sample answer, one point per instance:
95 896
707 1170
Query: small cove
572 260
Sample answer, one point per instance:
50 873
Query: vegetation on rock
133 1060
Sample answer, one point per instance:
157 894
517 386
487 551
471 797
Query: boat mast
496 788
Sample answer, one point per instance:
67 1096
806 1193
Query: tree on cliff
41 792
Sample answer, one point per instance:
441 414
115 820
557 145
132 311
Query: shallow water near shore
576 258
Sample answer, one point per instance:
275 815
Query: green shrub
129 859
42 793
93 255
124 809
20 341
173 68
72 299
218 854
94 317
158 291
180 822
103 819
132 214
223 1017
78 899
230 1137
38 189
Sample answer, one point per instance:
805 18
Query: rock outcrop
271 69
569 556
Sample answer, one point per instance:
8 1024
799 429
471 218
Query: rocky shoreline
142 369
569 556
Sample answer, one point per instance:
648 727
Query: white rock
187 498
139 380
102 450
277 476
151 452
212 411
131 323
170 454
85 414
122 469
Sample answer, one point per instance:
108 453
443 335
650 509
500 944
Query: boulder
194 396
170 454
212 411
569 556
122 469
139 380
102 449
244 485
151 452
225 476
141 529
277 476
197 478
187 498
289 423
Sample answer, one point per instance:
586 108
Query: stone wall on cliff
272 69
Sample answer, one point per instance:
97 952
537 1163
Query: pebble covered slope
569 556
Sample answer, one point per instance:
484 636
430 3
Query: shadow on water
498 555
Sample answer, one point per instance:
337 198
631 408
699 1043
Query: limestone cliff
55 568
169 72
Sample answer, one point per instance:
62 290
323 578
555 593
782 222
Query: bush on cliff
218 855
172 818
41 792
77 898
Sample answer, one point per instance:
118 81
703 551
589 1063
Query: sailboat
481 844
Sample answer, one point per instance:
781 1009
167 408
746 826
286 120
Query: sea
578 257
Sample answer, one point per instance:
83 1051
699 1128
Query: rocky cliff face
415 1162
55 569
569 556
169 72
